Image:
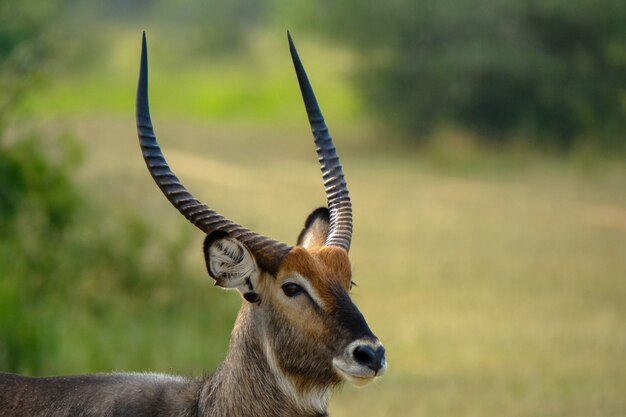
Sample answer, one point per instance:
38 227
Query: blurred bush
59 261
219 26
551 71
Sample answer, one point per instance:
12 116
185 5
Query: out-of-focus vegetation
67 264
543 74
493 276
548 72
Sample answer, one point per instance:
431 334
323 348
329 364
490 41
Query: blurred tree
552 70
220 26
30 187
49 252
24 47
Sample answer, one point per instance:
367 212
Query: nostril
365 355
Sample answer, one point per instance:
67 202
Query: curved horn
268 253
339 205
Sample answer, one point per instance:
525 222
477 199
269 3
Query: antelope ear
231 264
315 229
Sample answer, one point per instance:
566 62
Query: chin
359 379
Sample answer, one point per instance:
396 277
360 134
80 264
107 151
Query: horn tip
141 100
292 47
144 48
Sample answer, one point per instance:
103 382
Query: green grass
258 85
496 291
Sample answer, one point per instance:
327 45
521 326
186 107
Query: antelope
297 334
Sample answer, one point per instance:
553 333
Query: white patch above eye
306 286
231 264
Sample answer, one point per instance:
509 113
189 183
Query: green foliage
65 261
37 205
218 27
27 191
30 181
26 42
551 70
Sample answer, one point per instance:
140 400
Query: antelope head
297 299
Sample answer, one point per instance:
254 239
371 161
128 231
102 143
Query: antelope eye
291 290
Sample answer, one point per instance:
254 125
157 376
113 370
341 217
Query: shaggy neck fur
250 381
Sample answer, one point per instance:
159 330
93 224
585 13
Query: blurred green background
482 141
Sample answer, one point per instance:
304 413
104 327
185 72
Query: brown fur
98 395
321 265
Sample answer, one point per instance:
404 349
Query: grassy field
498 291
496 281
258 84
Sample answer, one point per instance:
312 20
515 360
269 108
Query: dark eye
291 290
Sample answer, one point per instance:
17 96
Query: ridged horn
268 252
339 205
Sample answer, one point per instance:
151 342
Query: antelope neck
249 381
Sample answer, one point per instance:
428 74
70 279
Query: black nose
366 355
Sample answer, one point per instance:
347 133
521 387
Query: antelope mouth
359 379
361 362
356 374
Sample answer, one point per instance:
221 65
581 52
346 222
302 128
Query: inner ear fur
315 229
229 262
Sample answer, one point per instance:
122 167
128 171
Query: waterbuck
297 333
